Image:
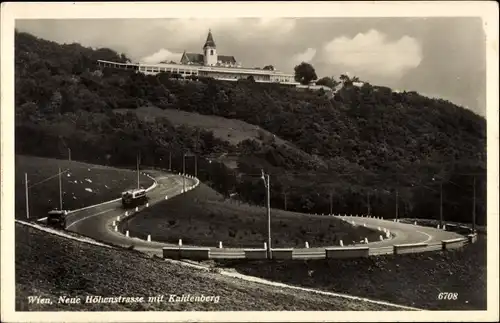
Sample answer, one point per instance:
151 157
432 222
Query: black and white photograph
249 161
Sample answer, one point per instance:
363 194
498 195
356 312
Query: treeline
359 147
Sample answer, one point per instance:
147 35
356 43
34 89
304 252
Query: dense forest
350 153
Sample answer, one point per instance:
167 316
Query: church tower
209 51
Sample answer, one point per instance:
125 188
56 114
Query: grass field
51 266
201 217
83 184
231 130
411 280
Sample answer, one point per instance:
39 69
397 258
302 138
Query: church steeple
210 40
209 51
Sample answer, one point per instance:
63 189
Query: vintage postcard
249 161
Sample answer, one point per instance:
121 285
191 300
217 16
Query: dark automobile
57 218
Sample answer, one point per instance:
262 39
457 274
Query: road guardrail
348 252
453 243
400 249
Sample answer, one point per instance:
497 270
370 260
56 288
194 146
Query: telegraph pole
265 178
60 190
331 203
138 180
183 172
196 166
69 154
441 205
27 201
285 195
170 161
397 203
474 205
368 199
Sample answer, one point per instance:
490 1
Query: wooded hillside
359 147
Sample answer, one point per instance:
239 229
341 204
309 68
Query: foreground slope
52 266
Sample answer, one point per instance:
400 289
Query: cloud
372 53
305 56
161 55
278 26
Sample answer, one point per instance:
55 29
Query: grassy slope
232 130
412 280
201 216
52 266
106 184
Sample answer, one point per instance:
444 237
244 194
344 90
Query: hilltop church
209 56
208 64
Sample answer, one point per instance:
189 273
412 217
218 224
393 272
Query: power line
51 177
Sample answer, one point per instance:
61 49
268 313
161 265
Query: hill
351 153
52 266
203 217
82 184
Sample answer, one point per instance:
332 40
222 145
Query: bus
133 198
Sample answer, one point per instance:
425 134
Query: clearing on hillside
202 217
232 130
82 185
51 266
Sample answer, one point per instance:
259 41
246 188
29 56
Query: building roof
210 40
198 58
226 59
194 58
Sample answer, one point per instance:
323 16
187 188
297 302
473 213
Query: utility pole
368 199
331 203
474 205
284 195
69 154
138 179
267 184
196 166
441 205
60 190
183 172
27 201
397 203
170 161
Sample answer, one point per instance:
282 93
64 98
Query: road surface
97 222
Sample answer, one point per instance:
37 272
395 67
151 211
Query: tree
345 80
305 73
328 81
268 68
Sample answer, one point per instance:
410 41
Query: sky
438 57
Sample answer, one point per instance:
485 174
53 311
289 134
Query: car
135 197
57 218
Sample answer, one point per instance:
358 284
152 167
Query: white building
208 64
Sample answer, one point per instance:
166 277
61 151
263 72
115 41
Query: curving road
97 222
